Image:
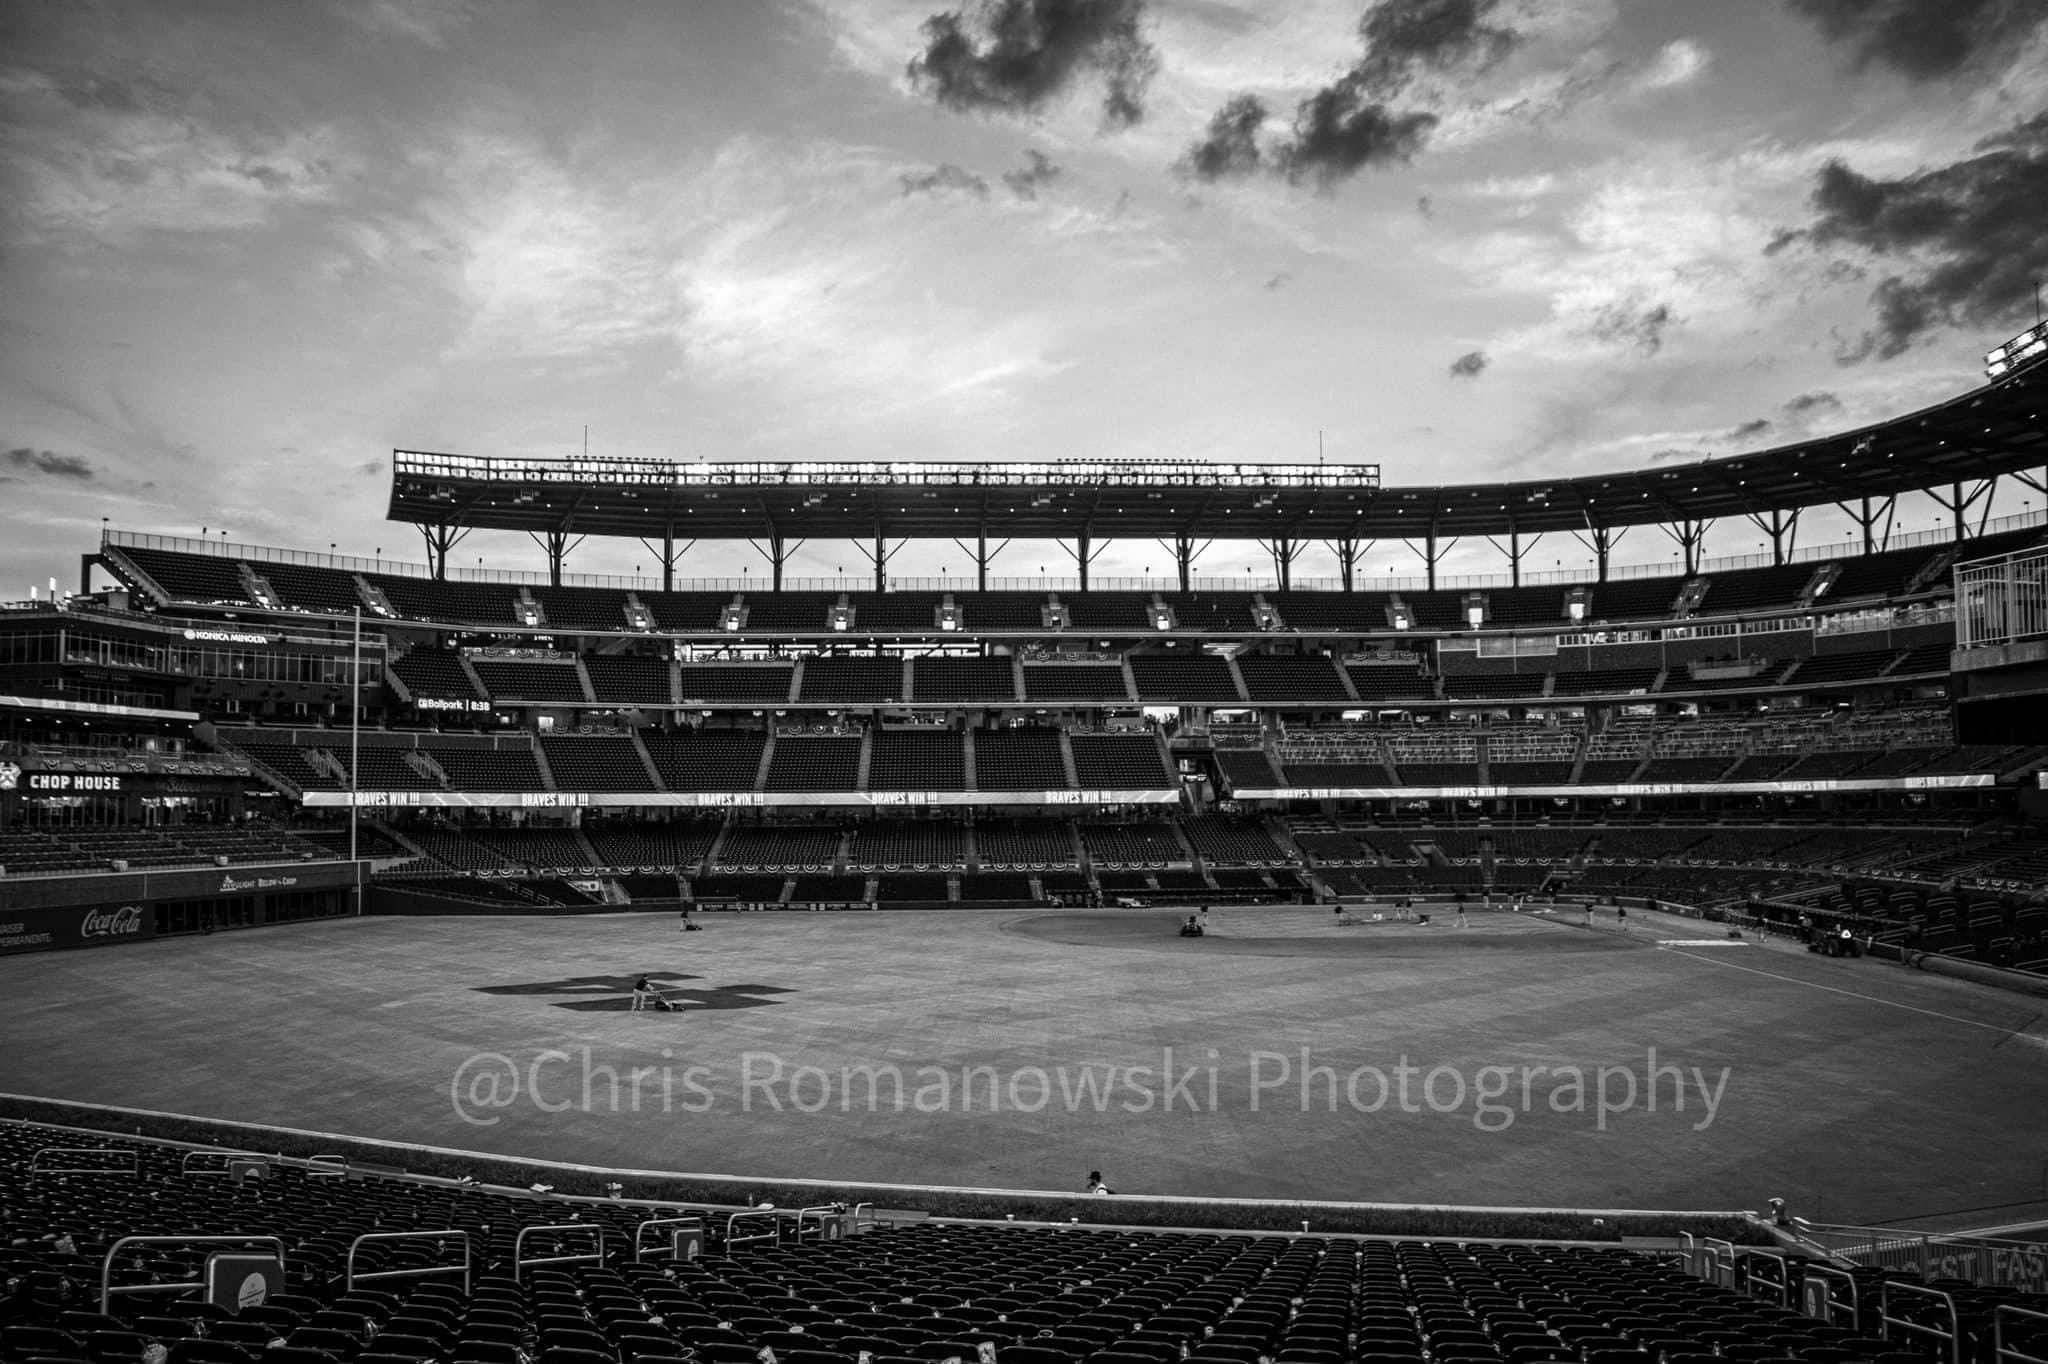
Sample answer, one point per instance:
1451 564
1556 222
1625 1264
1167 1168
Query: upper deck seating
814 763
521 680
455 601
601 762
1020 759
1121 611
1311 679
203 578
806 613
1755 589
1002 610
471 769
707 759
583 608
765 682
963 680
1376 682
1347 611
435 673
1173 678
1105 762
628 679
687 612
917 760
1075 682
853 681
309 588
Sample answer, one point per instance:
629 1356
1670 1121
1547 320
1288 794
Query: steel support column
1601 540
1184 551
441 540
1083 553
557 545
667 554
1514 551
1433 553
1866 516
1781 524
982 555
1284 549
777 554
879 556
1349 549
1689 534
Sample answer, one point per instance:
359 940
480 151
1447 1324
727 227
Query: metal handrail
640 1246
520 1262
351 1278
1748 1278
818 1212
108 1288
189 1165
1822 1277
1723 1258
327 1166
863 1217
734 1238
2008 1354
36 1167
1953 1335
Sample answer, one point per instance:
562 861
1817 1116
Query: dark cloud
1425 206
1751 429
100 92
945 178
370 468
1924 39
1807 404
1469 365
1279 281
1632 325
1339 131
1230 147
1666 456
1012 56
1352 123
48 463
1972 237
1404 38
1038 171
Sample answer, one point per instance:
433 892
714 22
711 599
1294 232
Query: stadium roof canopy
1993 431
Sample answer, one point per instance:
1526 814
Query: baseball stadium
1695 913
1024 682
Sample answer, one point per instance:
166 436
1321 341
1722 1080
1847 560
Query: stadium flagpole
355 737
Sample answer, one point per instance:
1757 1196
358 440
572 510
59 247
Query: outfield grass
1856 1090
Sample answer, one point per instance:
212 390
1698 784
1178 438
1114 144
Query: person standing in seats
1096 1187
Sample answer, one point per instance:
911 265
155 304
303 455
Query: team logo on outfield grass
614 994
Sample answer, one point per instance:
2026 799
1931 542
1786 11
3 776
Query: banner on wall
104 925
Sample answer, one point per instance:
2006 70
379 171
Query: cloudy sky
248 248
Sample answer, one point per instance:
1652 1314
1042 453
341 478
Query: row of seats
1027 758
927 1291
217 580
1311 680
59 849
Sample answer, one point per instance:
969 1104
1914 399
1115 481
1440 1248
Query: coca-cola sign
27 929
125 922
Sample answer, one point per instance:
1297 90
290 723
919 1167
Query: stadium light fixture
2030 344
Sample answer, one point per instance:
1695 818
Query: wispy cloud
104 161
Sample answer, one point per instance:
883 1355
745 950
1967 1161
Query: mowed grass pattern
1856 1090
